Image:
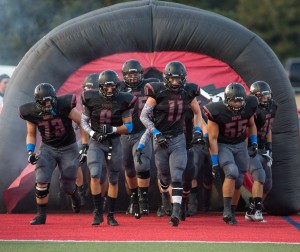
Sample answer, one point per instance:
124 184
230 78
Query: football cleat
229 219
256 216
112 221
98 218
38 220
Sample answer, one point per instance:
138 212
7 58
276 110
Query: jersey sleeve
129 100
253 102
66 103
26 110
193 90
210 111
152 89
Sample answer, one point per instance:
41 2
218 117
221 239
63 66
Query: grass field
46 246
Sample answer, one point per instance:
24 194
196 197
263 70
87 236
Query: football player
52 116
105 116
228 122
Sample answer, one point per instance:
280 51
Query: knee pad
176 184
177 192
239 181
164 186
113 178
187 186
259 175
131 173
41 192
143 174
231 172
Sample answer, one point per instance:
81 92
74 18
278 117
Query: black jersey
56 130
106 111
263 119
232 125
139 92
171 106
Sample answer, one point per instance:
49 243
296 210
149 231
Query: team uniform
260 166
168 118
130 142
58 146
98 110
233 155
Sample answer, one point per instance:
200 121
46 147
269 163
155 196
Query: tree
277 22
24 22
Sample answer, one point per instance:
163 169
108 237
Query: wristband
30 147
114 129
155 132
197 129
205 135
215 159
141 147
253 139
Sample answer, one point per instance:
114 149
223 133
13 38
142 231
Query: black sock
111 205
135 195
98 203
257 202
144 192
41 209
227 206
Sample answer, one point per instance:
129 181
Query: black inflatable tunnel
213 48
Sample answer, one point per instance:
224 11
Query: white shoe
257 216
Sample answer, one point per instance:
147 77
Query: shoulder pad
26 109
154 88
87 95
66 101
128 98
211 110
192 88
252 101
150 80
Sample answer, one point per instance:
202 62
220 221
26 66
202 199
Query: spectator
4 79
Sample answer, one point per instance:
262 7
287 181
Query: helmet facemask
175 85
235 104
109 84
175 70
109 89
235 97
262 91
45 97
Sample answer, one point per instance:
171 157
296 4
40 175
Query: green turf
30 246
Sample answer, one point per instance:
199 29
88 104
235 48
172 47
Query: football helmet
132 71
109 83
235 96
262 91
174 69
91 82
43 93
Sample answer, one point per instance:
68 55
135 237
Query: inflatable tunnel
215 50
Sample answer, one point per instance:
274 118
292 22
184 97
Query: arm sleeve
145 117
145 137
85 120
